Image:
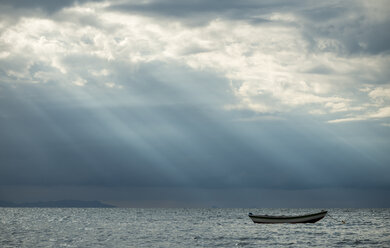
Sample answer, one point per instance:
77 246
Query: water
77 227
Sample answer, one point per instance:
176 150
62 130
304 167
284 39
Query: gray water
129 227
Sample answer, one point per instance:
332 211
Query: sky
163 103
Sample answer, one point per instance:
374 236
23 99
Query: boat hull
309 218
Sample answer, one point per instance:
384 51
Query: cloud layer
326 59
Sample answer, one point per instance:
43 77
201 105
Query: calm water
40 227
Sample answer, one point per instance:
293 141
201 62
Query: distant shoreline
57 204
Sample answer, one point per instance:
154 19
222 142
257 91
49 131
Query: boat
269 219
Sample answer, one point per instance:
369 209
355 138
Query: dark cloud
352 37
376 39
201 12
45 5
320 70
350 25
326 13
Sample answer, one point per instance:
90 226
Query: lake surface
131 227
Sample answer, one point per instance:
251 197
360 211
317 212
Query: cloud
376 108
202 12
347 27
382 113
379 114
274 65
380 93
80 82
46 5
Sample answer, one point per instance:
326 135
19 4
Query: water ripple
40 227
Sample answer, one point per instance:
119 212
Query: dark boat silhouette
269 219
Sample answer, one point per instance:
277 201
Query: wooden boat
268 219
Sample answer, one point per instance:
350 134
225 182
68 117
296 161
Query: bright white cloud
381 113
380 93
80 82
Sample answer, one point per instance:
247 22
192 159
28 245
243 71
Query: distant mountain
57 204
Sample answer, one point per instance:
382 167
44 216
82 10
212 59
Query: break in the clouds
201 94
